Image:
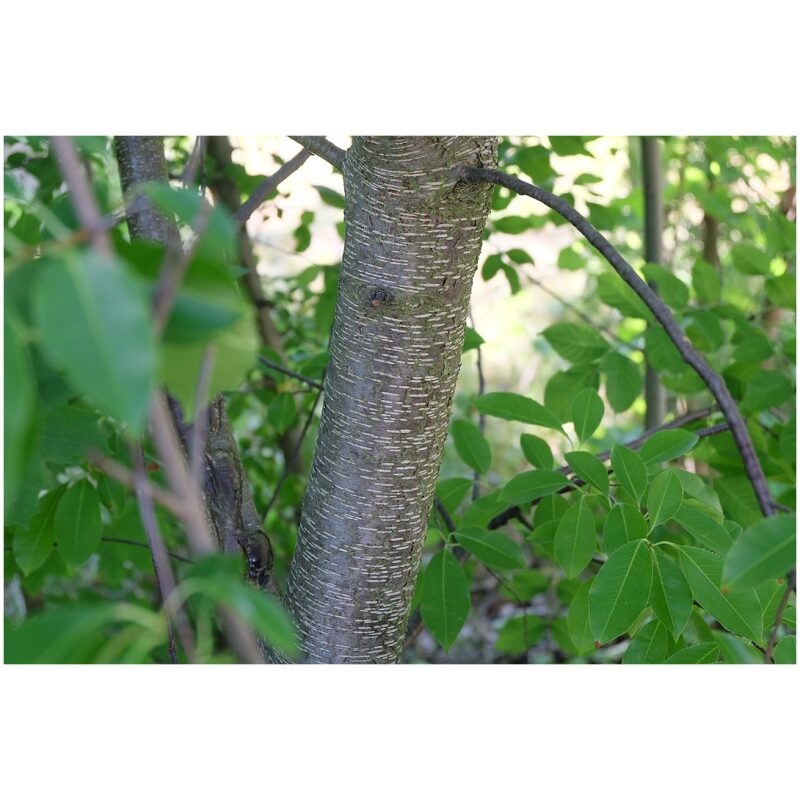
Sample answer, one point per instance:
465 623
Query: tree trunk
413 237
655 397
228 497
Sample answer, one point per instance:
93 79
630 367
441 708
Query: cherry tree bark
413 236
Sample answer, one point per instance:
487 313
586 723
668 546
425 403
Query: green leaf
578 344
670 595
33 546
95 323
218 241
767 389
649 646
620 591
575 539
661 353
623 381
590 469
69 432
739 612
77 523
735 650
764 550
578 620
219 578
452 491
738 499
481 512
517 408
472 340
235 354
519 634
665 498
666 445
570 259
563 386
673 291
704 653
531 485
18 409
445 598
491 547
614 292
706 530
623 524
706 282
330 197
749 260
630 471
471 446
536 451
282 412
535 163
587 413
786 651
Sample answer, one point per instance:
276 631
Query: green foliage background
651 553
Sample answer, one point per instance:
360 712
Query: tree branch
514 512
278 368
773 637
80 193
690 355
269 185
165 579
321 147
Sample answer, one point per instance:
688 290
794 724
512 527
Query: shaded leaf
471 446
445 599
575 541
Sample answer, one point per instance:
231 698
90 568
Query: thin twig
269 185
321 147
194 162
581 314
134 543
476 478
165 579
80 193
278 368
173 271
690 355
773 637
124 476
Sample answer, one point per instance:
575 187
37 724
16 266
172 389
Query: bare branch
269 185
773 637
278 368
321 147
690 355
194 162
80 192
173 270
122 475
165 579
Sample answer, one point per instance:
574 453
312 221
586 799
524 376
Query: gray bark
412 242
228 497
655 396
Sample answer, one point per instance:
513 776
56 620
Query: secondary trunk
228 497
413 235
655 396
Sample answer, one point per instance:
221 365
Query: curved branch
321 147
713 381
268 185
